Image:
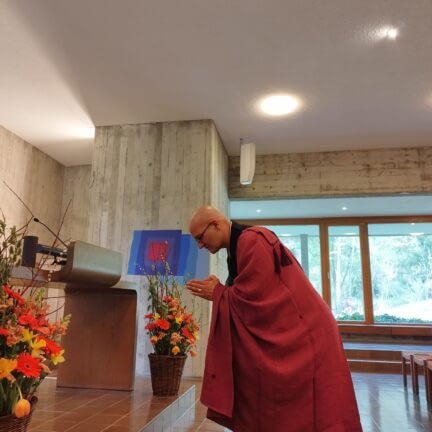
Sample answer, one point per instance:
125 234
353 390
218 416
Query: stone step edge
172 412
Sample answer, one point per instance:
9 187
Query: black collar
236 230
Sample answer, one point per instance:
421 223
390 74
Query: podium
100 343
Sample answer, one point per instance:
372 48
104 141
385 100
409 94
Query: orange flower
22 408
28 365
175 338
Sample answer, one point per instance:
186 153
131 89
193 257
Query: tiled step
166 418
372 354
379 358
375 366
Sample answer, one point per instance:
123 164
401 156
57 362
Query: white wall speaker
247 163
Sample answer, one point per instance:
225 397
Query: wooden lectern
101 339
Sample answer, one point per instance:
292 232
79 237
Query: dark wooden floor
385 406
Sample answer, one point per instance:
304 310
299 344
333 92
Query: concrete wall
38 181
363 172
76 202
36 178
153 176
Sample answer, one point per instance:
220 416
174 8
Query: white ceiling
67 65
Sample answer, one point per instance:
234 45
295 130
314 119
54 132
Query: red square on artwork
157 251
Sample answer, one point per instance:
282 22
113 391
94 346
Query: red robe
275 361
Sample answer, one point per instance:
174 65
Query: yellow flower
179 319
175 350
58 358
27 336
36 347
6 367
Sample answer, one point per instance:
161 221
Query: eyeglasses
200 237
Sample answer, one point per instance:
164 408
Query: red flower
13 294
28 365
29 320
187 333
163 324
51 347
4 332
150 326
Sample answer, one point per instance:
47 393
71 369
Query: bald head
210 228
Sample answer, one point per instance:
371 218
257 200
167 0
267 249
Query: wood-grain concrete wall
349 173
76 203
36 178
38 181
153 176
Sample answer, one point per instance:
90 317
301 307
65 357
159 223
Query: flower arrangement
28 341
172 330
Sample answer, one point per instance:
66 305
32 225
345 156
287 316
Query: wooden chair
406 357
418 360
415 359
428 379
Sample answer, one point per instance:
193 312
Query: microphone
51 231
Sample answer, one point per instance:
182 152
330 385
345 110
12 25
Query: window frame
368 326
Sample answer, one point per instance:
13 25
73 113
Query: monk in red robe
274 361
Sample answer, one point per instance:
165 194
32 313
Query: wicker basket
166 373
11 423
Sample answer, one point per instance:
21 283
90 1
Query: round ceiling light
279 105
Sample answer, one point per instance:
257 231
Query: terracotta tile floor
385 406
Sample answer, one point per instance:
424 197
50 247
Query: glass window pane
346 280
401 271
304 243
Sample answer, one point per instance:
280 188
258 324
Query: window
346 273
401 272
375 270
304 243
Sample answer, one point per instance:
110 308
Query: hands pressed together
203 288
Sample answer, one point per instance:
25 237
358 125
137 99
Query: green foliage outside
401 273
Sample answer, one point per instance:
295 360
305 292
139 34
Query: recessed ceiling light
392 33
344 208
258 211
279 104
387 32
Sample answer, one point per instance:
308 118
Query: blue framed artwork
151 249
